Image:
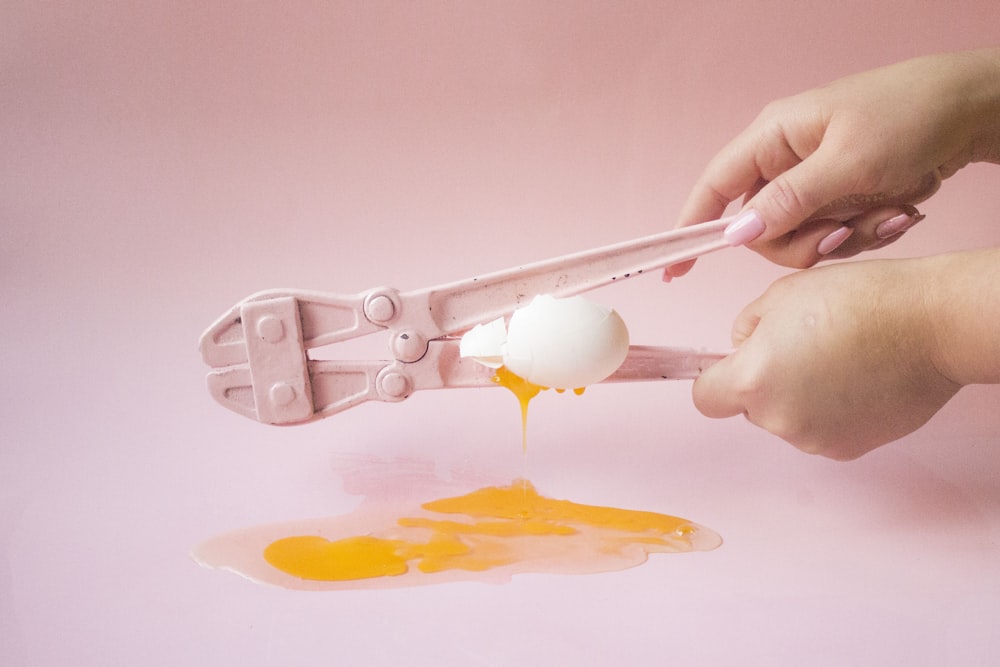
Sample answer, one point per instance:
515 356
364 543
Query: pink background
157 164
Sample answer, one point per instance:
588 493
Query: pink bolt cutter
258 349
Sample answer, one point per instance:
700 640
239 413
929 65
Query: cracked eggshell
484 343
565 343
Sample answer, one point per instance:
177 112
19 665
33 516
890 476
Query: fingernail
666 275
745 228
834 240
897 225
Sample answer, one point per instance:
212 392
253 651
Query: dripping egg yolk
558 343
524 391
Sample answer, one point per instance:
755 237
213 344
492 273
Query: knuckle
777 109
785 198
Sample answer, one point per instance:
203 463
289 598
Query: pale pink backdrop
160 161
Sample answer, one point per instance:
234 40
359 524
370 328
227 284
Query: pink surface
158 164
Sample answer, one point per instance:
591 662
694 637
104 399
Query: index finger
731 174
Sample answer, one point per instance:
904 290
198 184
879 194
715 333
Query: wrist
983 98
962 310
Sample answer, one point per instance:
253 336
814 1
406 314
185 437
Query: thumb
716 392
720 391
794 195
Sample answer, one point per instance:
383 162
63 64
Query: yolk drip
524 390
501 526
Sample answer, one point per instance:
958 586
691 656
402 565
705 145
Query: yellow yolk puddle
488 534
498 526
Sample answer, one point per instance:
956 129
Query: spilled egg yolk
524 390
512 527
485 529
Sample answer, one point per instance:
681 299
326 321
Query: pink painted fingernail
897 225
745 228
834 240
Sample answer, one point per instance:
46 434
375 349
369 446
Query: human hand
836 360
881 131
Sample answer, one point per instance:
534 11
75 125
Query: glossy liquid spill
487 535
489 528
484 535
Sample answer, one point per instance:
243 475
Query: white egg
560 343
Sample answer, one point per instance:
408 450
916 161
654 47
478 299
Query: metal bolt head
394 385
408 346
380 309
270 329
282 393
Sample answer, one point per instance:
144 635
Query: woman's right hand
876 132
